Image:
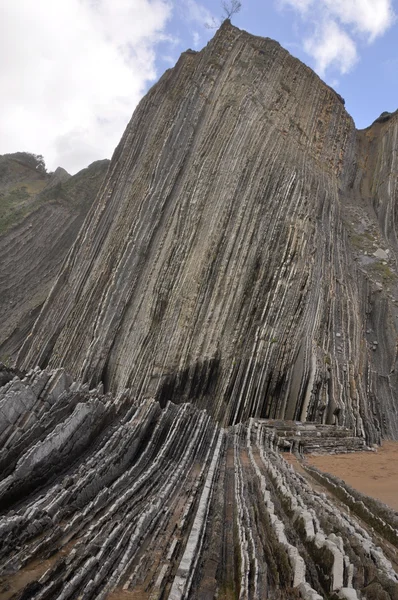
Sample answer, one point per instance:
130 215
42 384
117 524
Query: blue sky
68 92
367 80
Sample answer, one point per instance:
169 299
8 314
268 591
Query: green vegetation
16 205
22 177
13 207
35 162
383 271
24 198
6 360
362 241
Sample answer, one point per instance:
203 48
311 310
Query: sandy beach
373 473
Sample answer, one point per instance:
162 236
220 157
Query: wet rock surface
111 496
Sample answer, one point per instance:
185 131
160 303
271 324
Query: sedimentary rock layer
242 255
110 497
39 229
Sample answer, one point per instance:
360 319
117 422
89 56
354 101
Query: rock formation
236 275
114 497
41 215
242 254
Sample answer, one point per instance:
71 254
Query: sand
372 473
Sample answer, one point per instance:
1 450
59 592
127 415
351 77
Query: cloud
169 59
71 73
196 39
199 19
331 46
338 27
370 17
300 5
196 13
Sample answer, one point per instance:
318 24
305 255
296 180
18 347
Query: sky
72 71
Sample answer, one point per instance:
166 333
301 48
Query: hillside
40 217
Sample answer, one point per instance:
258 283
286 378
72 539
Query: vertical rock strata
225 263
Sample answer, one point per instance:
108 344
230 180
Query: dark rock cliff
41 215
242 253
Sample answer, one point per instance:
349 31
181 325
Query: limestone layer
242 254
112 497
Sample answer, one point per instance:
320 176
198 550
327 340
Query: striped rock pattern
230 259
109 497
32 250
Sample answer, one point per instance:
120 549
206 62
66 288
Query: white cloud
196 39
370 17
331 46
200 19
339 27
195 12
300 5
169 59
71 73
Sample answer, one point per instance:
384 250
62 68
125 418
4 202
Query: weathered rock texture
41 215
232 259
113 497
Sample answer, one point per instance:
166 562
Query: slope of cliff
22 177
242 253
41 215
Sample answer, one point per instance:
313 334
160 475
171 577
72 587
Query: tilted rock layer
41 215
114 497
242 254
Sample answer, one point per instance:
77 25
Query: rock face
40 218
230 261
114 497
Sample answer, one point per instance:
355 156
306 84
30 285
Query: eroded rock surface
113 497
41 215
232 259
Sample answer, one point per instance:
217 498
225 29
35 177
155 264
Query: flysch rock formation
41 215
114 497
242 253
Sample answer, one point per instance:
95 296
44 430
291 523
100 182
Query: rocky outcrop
227 260
41 219
21 170
111 496
303 438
